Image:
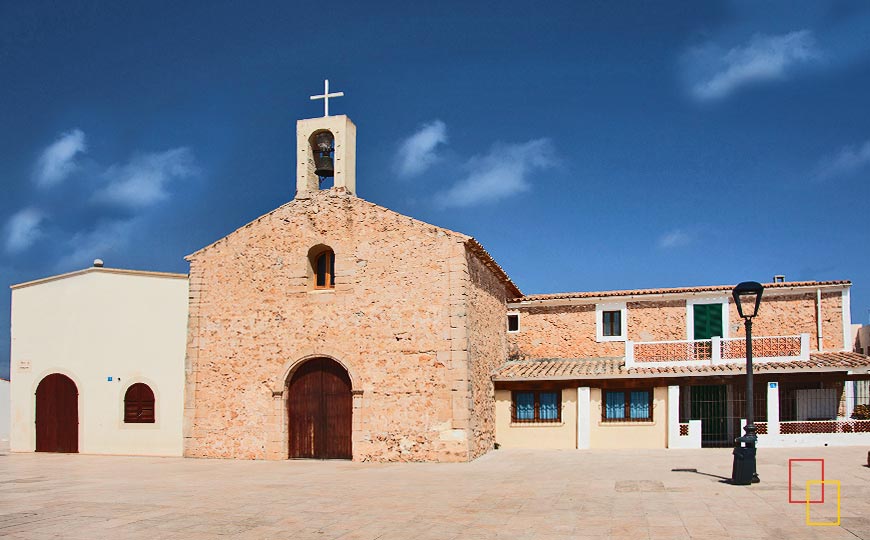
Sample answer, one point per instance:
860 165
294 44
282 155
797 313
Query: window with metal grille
139 404
630 405
536 406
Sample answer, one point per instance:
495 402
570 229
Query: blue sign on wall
110 379
772 385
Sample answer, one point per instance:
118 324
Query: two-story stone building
660 368
332 327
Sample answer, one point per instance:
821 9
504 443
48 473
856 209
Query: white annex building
90 339
5 404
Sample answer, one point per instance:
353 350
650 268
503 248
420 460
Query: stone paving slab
507 494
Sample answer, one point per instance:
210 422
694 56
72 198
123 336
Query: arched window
139 405
324 270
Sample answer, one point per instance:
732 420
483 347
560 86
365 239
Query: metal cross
325 97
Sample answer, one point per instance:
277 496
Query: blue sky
587 145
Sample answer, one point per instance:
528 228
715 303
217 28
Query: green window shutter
708 320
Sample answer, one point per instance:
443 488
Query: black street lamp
747 296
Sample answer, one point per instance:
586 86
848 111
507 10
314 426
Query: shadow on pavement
724 479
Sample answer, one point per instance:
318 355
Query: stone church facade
416 317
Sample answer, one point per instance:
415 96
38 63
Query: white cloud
418 151
102 241
23 229
717 72
143 181
848 161
57 161
675 238
502 172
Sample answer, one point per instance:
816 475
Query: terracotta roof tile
612 367
671 290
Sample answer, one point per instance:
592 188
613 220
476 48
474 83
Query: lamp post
747 297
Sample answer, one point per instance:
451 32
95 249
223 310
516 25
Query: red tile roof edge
614 367
673 290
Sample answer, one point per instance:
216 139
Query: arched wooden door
319 409
57 415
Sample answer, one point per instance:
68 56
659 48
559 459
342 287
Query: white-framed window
513 322
611 322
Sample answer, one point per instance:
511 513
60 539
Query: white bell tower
323 140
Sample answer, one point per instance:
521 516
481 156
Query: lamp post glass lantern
747 297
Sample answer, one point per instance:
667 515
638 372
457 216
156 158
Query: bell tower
325 148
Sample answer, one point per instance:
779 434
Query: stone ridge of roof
614 367
473 245
101 270
672 290
332 192
477 248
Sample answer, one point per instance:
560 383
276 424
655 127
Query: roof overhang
98 270
586 298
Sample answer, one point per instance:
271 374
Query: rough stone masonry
417 317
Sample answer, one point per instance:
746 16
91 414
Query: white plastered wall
5 404
93 325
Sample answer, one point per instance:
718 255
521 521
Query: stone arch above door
279 385
278 439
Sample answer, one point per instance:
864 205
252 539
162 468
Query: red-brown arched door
57 414
319 409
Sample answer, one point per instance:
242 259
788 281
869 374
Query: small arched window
324 270
139 405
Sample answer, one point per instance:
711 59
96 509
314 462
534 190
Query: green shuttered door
708 320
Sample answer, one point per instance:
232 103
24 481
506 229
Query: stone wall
560 332
487 349
657 320
568 331
832 321
394 320
793 314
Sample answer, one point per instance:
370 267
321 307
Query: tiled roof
673 290
605 368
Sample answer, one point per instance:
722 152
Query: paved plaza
506 494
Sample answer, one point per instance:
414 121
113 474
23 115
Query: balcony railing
715 351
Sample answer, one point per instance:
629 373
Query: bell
323 166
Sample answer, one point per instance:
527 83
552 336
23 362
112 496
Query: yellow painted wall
630 434
546 435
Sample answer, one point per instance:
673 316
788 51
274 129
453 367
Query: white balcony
715 351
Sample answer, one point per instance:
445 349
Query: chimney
779 278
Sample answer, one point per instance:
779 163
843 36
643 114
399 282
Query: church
334 328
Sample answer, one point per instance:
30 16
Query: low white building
5 404
97 362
